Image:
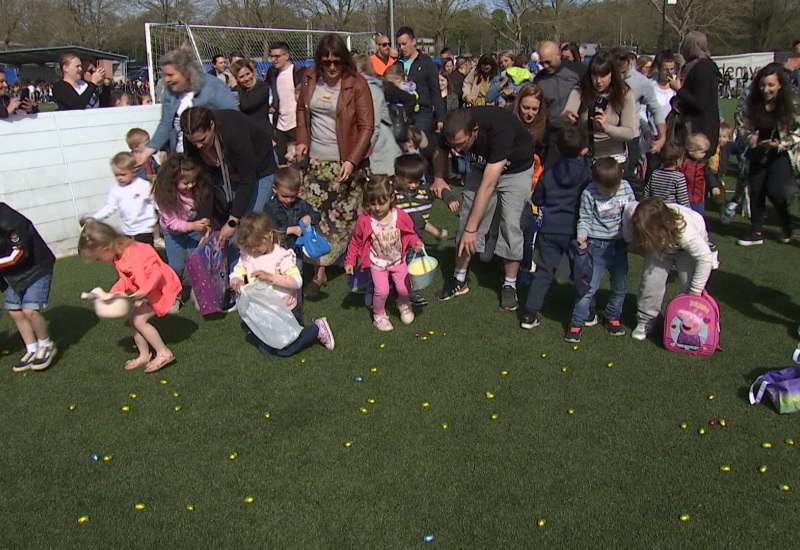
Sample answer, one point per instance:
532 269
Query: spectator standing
284 79
335 123
384 145
382 58
420 69
73 93
476 83
10 105
253 94
456 79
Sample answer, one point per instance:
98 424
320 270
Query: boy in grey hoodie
600 230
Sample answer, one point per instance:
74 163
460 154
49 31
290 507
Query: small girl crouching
670 236
153 284
261 258
380 238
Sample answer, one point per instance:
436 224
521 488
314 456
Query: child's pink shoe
325 336
382 323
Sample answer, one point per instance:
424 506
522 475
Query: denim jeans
611 255
306 336
261 194
178 246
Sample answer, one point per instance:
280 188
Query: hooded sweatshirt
558 192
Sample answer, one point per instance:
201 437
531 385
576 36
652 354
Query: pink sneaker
406 315
325 336
382 323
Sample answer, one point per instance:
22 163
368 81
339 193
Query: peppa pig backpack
691 324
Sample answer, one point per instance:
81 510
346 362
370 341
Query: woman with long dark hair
772 120
476 84
606 106
335 123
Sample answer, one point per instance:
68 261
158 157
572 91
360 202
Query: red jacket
360 239
695 179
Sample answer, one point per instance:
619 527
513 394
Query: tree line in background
464 25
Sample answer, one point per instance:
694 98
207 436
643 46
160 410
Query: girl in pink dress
153 284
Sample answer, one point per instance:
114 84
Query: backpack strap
756 399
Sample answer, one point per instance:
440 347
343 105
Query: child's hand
570 116
418 246
348 269
262 275
716 191
453 206
199 225
581 242
294 230
136 295
236 285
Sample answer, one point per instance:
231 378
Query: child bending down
261 258
670 236
412 196
26 271
141 271
380 238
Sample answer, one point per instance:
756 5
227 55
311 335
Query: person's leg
551 249
146 238
617 265
146 334
698 207
652 288
306 336
780 177
380 280
582 309
298 309
399 274
178 246
281 144
758 196
24 327
423 121
512 192
685 266
262 193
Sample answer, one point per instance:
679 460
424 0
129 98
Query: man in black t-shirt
500 150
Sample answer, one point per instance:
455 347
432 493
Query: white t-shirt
135 204
287 104
664 97
186 101
94 102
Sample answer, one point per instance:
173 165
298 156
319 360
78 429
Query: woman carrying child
380 238
670 236
141 271
261 258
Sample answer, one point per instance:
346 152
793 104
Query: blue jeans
261 194
178 246
306 336
34 297
611 255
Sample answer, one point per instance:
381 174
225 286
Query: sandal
160 361
138 362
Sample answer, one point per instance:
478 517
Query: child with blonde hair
141 271
132 198
262 258
137 139
381 235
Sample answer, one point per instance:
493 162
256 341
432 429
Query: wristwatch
233 223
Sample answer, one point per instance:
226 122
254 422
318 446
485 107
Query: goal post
209 40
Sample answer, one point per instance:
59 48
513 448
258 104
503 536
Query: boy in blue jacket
558 193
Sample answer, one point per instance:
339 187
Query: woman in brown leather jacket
335 122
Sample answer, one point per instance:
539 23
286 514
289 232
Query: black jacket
425 74
24 256
559 193
246 150
697 102
285 216
272 82
68 99
254 102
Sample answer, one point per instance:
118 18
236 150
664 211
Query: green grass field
617 473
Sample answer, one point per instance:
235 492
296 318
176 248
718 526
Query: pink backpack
691 324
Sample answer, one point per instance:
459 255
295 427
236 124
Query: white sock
510 281
46 342
31 347
460 275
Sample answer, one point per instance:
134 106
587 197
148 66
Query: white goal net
207 41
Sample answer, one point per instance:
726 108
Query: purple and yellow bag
783 387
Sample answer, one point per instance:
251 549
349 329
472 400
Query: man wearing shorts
500 150
26 270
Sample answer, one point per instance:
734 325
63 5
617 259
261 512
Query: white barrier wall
54 167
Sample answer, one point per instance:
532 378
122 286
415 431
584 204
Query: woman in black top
772 119
229 141
253 93
72 92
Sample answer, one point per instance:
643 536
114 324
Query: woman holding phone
606 107
772 120
72 92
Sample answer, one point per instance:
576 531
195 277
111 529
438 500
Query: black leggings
772 177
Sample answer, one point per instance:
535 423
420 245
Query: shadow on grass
68 324
173 330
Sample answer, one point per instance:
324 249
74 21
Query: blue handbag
313 244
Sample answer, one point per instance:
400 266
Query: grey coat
384 147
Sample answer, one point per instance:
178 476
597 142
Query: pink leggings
380 279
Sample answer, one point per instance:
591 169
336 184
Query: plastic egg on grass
133 396
303 360
701 431
373 369
684 517
107 458
766 445
266 415
489 395
722 422
684 425
544 355
609 365
125 408
711 397
189 508
138 506
176 408
382 346
712 422
248 500
725 468
541 522
494 416
425 405
503 373
575 348
427 538
371 401
358 379
763 469
363 410
233 456
571 411
83 519
784 487
348 444
789 442
71 408
162 382
175 394
424 338
444 426
563 369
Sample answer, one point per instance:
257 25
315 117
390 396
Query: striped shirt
600 216
669 186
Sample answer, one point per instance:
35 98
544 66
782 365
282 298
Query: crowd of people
565 158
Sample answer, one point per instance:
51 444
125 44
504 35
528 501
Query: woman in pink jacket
380 238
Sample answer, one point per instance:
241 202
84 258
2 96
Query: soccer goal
207 41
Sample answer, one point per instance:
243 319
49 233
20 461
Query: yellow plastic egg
83 519
248 500
139 506
125 408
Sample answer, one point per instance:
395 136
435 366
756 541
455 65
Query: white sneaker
382 323
406 314
640 332
159 243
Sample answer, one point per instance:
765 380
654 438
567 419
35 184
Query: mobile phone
600 104
24 94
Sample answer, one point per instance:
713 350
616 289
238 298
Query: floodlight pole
391 22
